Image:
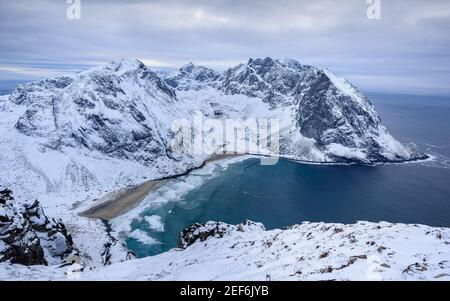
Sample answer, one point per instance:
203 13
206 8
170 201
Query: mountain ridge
328 109
119 116
325 108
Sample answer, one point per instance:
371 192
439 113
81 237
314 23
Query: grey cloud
409 46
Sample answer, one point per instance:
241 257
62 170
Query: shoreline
123 201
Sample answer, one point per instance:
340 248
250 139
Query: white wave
143 237
436 160
173 191
429 145
155 223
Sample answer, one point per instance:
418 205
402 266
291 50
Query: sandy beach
123 201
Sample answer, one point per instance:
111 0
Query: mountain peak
267 61
292 63
190 73
125 64
188 68
193 68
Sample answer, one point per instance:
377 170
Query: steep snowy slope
108 126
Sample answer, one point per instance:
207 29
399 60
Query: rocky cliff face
28 236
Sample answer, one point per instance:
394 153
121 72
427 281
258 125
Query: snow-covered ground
309 251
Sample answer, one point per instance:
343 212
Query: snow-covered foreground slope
310 251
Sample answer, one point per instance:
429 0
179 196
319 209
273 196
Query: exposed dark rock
201 232
26 233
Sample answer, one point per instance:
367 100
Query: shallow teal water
290 193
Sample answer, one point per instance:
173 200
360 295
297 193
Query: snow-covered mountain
119 115
71 140
103 128
124 110
190 77
330 120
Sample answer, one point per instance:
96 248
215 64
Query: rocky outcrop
28 236
201 232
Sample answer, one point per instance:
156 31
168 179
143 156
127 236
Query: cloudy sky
406 51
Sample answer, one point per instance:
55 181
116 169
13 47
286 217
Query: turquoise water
290 193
